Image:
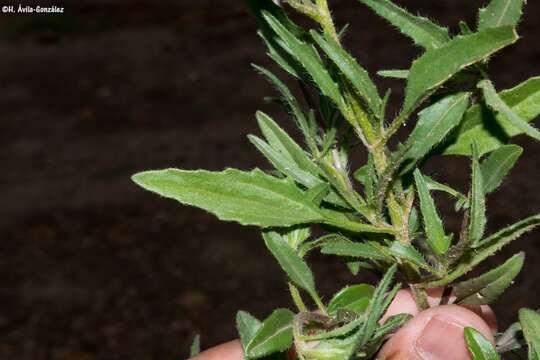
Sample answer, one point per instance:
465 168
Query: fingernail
441 339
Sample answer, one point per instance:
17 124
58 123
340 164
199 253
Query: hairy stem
420 296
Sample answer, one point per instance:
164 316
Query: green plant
381 216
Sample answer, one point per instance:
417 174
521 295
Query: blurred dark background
93 267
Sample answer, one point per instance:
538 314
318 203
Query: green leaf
362 174
434 185
480 347
414 223
394 74
409 253
247 326
308 57
377 306
489 286
486 248
366 175
354 298
480 126
282 142
274 335
477 201
292 104
436 66
296 235
297 270
530 323
391 324
494 101
435 123
498 165
340 220
276 49
283 164
353 249
195 346
289 158
280 56
336 332
357 75
513 231
510 339
422 31
250 198
500 13
433 226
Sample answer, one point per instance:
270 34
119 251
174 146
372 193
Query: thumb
435 334
228 351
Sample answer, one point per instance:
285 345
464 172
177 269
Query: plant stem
326 21
319 303
420 296
297 299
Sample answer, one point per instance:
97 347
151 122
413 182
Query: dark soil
92 267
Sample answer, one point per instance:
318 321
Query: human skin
433 334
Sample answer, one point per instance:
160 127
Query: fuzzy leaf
366 175
479 347
377 306
500 13
494 101
394 74
288 98
498 165
353 249
281 57
247 327
391 325
250 198
276 49
282 163
489 286
336 332
434 185
288 157
489 132
408 252
295 267
477 201
282 142
486 248
340 220
354 298
308 57
530 323
435 123
422 31
433 226
195 348
274 335
513 231
438 65
296 235
357 75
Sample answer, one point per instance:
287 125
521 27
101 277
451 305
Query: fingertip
403 303
487 314
231 350
436 333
